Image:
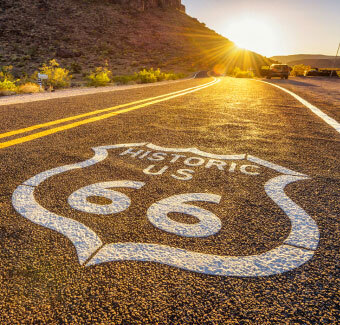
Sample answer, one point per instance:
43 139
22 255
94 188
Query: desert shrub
151 75
8 84
168 76
146 76
5 73
28 88
299 70
238 73
7 87
124 80
100 77
57 77
176 76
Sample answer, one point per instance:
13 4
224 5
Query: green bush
299 70
124 80
57 77
146 76
5 73
238 73
151 75
7 85
100 77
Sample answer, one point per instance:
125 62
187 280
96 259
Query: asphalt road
212 205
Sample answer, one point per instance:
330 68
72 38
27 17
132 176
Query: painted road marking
330 121
84 239
296 250
119 201
209 224
150 101
71 118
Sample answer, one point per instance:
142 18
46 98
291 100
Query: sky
273 27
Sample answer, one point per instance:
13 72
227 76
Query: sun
255 34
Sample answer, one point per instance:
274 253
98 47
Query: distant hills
313 60
127 35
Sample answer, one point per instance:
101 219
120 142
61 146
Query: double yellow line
100 116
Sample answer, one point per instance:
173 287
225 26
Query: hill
313 60
127 35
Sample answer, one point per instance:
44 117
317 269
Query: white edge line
330 121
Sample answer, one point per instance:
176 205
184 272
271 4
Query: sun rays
221 55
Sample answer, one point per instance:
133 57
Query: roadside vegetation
147 76
59 77
28 88
238 73
100 77
10 85
299 70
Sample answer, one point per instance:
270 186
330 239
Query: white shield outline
295 251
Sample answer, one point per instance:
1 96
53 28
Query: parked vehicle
278 70
312 72
315 72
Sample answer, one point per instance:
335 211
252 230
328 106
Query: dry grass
28 88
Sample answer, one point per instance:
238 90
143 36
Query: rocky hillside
142 5
127 35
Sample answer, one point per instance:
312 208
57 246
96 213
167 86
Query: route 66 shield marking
295 250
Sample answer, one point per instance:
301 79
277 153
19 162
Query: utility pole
337 52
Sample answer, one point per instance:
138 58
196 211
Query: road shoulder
63 93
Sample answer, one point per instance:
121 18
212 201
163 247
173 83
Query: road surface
206 201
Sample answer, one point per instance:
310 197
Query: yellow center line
71 118
98 118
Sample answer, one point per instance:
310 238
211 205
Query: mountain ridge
313 60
